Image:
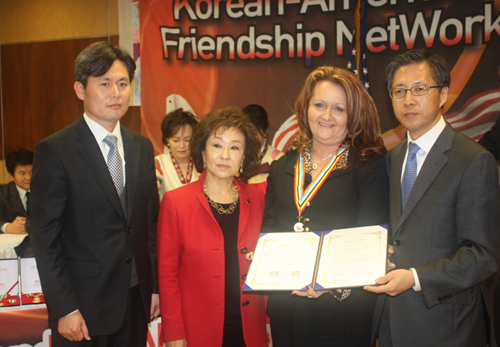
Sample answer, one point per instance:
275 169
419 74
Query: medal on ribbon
303 197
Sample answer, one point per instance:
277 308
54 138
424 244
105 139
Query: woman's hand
249 256
176 343
311 294
269 336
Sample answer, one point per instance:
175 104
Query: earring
204 165
241 169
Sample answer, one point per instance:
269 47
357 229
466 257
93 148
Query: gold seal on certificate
298 227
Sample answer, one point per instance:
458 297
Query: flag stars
354 52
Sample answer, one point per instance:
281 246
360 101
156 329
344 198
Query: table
7 244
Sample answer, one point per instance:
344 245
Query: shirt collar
100 132
426 141
21 191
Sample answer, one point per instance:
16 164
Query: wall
40 40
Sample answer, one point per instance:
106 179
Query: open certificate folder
342 258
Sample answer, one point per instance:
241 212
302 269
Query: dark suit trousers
132 332
384 332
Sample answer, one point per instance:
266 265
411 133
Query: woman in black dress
339 140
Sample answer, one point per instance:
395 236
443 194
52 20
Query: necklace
218 206
313 166
189 172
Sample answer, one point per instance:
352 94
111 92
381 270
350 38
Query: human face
327 114
22 176
418 114
179 143
224 153
106 97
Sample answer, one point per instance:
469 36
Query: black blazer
349 197
11 205
83 240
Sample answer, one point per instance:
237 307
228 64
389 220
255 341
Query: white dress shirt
100 133
425 142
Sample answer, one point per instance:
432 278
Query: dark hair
96 59
221 120
439 68
258 116
20 157
363 123
175 120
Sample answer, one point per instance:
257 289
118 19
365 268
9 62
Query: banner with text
203 55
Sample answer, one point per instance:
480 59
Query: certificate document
342 258
30 281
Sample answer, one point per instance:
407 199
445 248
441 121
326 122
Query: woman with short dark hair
205 231
175 168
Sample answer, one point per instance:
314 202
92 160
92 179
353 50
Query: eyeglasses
418 90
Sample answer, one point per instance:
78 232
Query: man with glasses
444 200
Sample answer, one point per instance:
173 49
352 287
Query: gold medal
298 227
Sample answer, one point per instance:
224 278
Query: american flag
357 58
477 115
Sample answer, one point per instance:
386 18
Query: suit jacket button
244 277
129 261
397 243
129 230
244 250
248 201
246 303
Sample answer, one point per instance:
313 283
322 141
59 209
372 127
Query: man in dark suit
444 201
94 213
14 196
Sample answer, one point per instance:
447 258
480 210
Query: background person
206 229
444 203
14 196
94 212
491 140
339 151
258 116
175 168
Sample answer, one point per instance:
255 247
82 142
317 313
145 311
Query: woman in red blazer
205 231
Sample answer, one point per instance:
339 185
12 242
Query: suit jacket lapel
203 200
132 151
395 169
245 209
92 154
434 163
16 199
